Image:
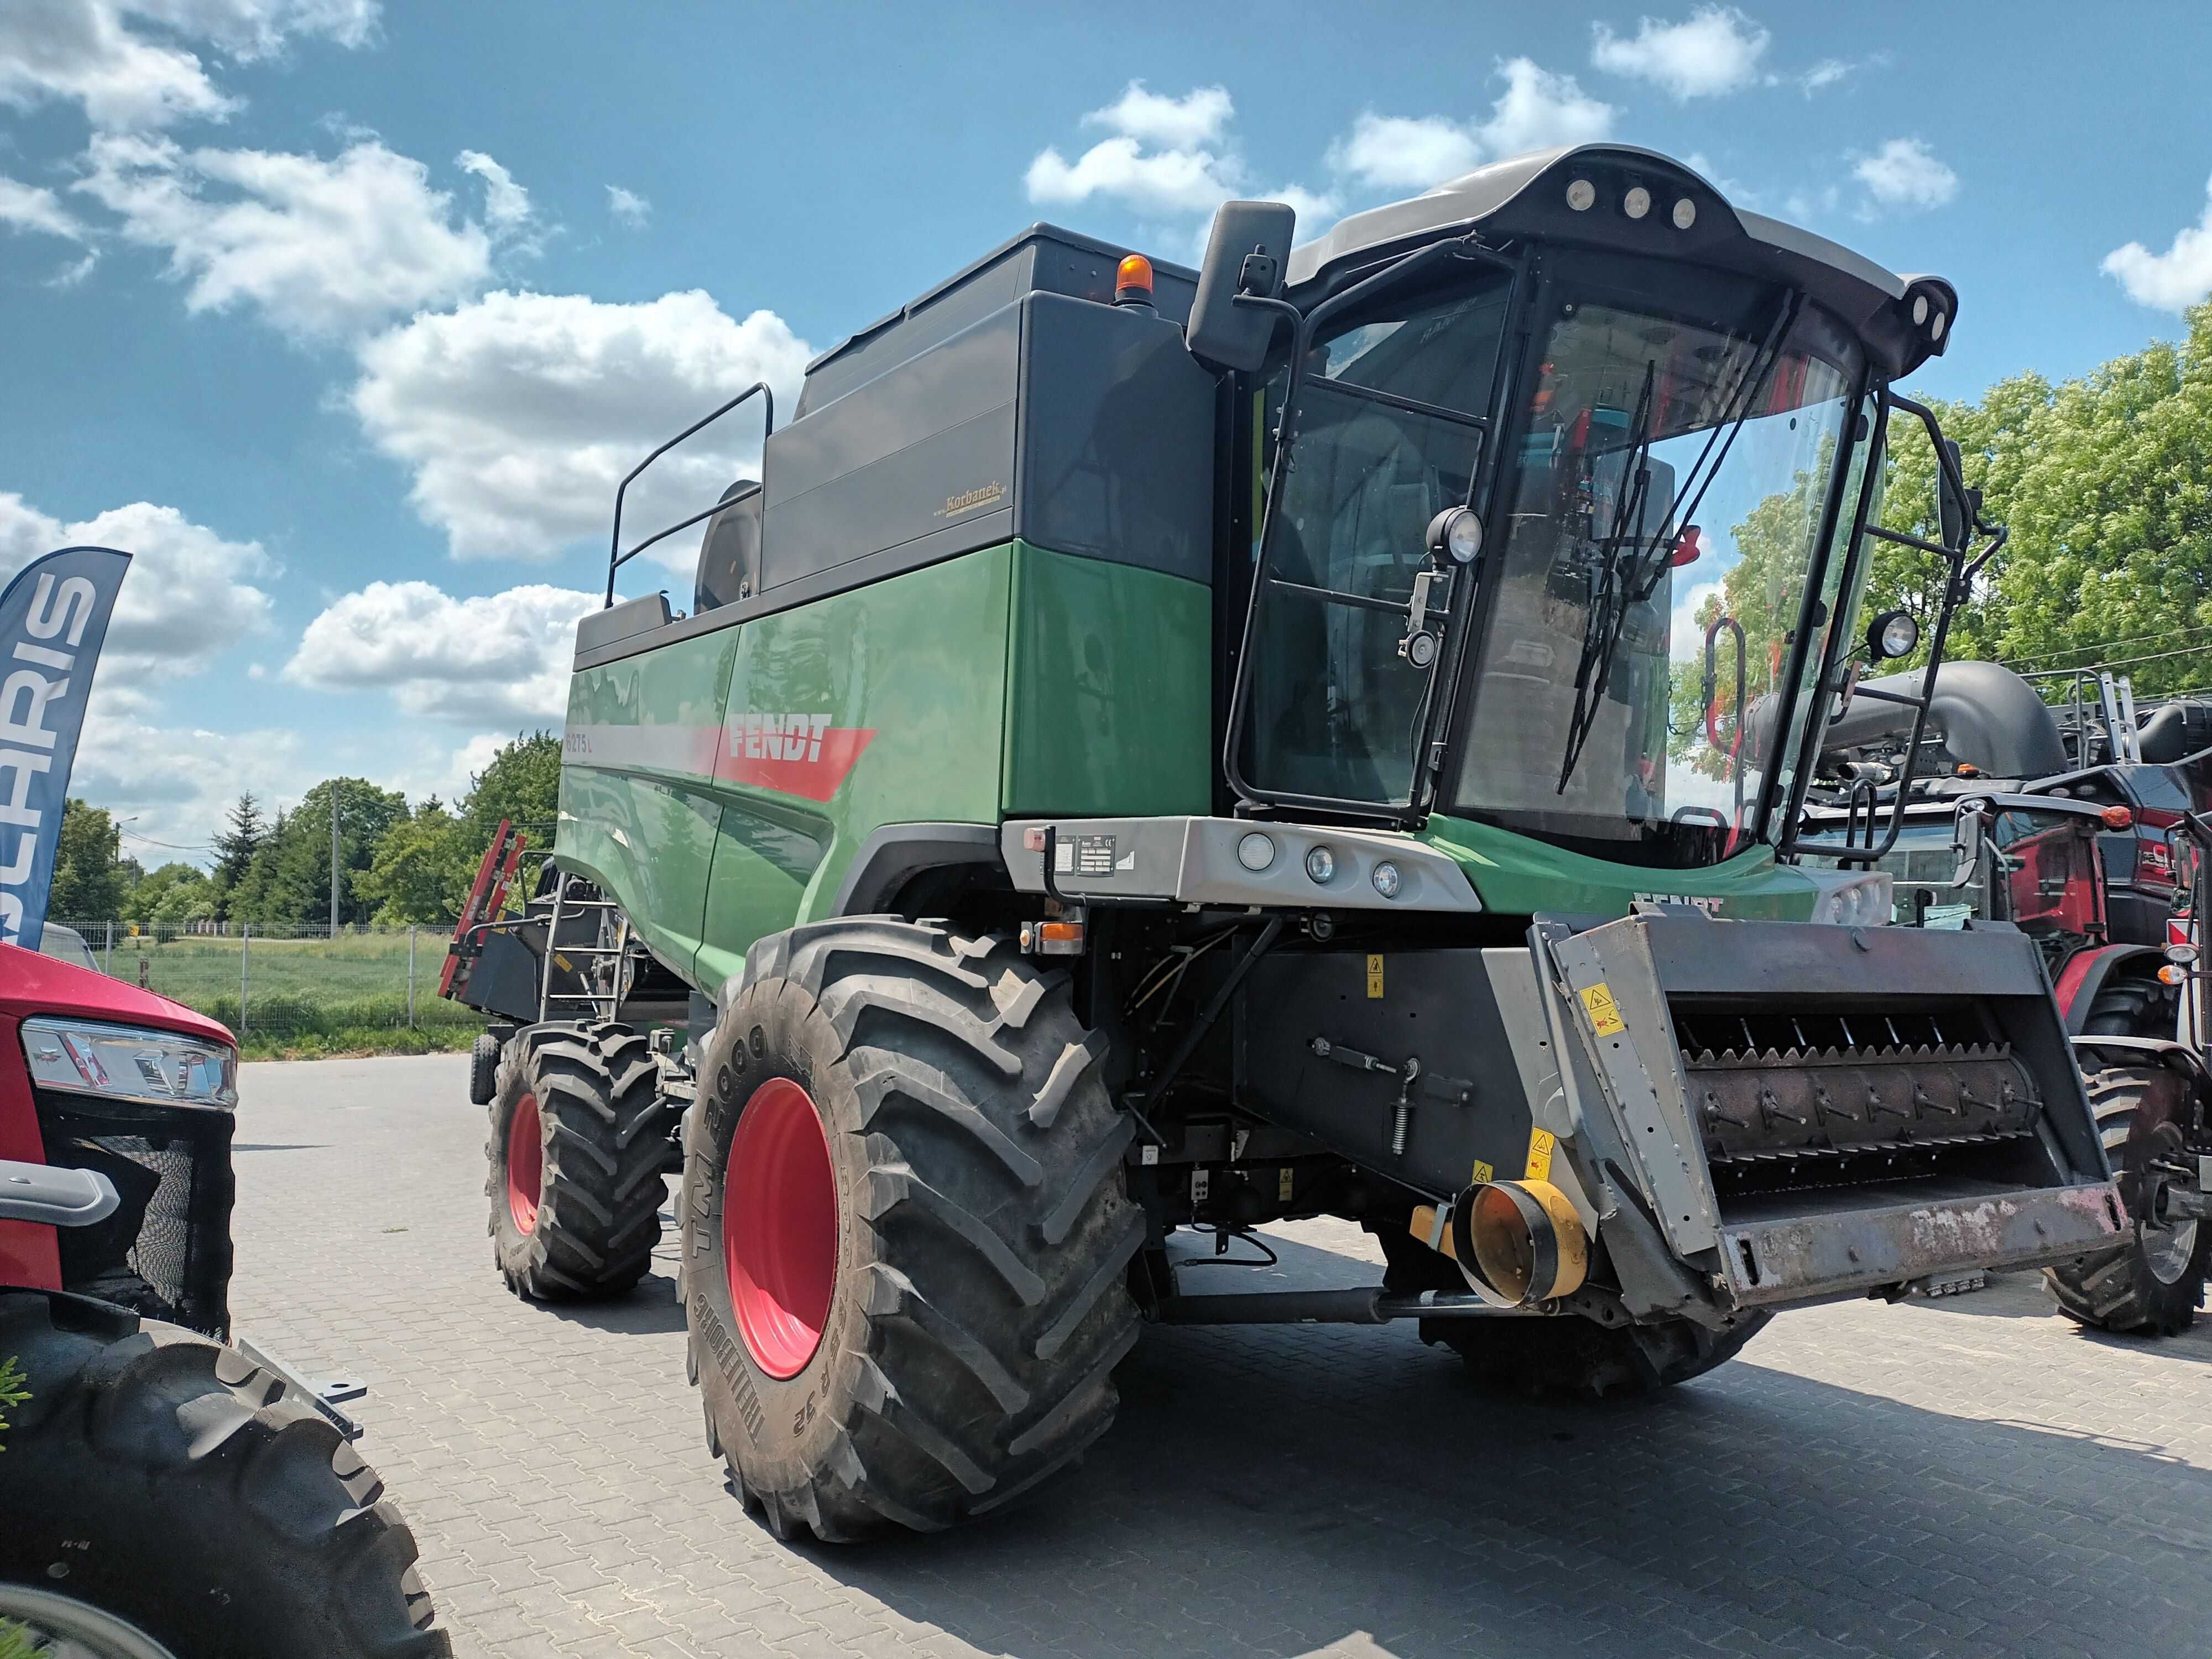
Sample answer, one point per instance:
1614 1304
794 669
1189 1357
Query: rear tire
2153 1283
483 1069
169 1482
583 1100
929 1328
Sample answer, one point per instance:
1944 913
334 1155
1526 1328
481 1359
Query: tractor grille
166 1251
1838 1097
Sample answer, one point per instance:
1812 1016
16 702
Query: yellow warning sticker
1374 977
1483 1173
1604 1011
1540 1145
1283 1185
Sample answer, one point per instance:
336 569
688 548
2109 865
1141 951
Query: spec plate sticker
1604 1011
1540 1145
1094 855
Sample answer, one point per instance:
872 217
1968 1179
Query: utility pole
334 858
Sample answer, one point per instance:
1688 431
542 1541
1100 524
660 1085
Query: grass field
305 997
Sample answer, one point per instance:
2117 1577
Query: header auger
1193 749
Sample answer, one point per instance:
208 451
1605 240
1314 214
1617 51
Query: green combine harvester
1318 736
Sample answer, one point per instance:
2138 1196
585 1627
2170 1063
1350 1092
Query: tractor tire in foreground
160 1492
2153 1283
579 1147
906 1239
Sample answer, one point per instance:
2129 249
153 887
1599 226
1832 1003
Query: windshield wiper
1608 610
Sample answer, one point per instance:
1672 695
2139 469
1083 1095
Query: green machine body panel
720 786
1518 875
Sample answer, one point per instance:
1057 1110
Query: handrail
616 557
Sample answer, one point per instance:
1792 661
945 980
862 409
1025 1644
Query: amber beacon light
1133 281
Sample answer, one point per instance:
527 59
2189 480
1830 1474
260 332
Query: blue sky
345 315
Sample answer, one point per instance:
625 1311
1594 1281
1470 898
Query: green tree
171 895
411 877
2106 483
287 881
244 831
89 880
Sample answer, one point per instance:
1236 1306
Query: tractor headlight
1320 864
131 1062
1387 879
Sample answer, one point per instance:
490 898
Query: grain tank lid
1044 258
1526 195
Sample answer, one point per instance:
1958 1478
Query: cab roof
1528 195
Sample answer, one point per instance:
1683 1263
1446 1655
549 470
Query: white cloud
1199 117
1686 634
627 207
178 780
1906 172
507 205
2174 280
1714 50
1160 181
87 52
1195 169
186 599
1824 74
504 657
75 272
31 207
1401 152
322 247
518 413
1538 110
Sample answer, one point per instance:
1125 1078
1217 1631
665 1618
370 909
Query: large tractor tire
160 1493
1566 1357
906 1238
2153 1283
579 1147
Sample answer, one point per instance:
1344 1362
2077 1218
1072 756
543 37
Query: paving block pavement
1972 1477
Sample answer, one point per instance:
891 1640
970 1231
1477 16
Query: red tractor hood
32 983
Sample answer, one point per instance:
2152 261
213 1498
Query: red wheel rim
780 1227
525 1163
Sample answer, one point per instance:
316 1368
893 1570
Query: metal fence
275 985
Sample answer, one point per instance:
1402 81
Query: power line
2103 645
170 845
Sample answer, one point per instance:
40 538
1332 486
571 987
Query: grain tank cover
1527 196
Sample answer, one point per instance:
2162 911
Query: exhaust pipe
1520 1240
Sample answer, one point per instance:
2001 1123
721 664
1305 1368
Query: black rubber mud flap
169 1482
977 1303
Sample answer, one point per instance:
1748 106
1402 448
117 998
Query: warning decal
1604 1011
1540 1145
1374 977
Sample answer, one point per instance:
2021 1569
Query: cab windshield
1660 524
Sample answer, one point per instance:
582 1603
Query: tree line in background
2106 485
396 864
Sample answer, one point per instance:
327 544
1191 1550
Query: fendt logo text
778 736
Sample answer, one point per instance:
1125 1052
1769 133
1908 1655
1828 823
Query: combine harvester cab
1160 750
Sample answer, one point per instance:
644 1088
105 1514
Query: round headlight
1893 634
1386 879
1636 202
1255 851
1459 534
1321 864
1581 195
1935 328
1421 648
1919 309
1686 213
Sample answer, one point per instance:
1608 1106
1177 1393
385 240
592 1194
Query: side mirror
1247 253
1967 831
1958 506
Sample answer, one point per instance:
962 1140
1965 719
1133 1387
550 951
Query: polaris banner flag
53 620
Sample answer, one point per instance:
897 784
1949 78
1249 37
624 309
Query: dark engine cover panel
1466 1107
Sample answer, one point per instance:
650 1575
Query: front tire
165 1482
2153 1283
580 1143
905 1234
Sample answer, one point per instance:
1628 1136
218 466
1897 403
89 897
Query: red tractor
162 1495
